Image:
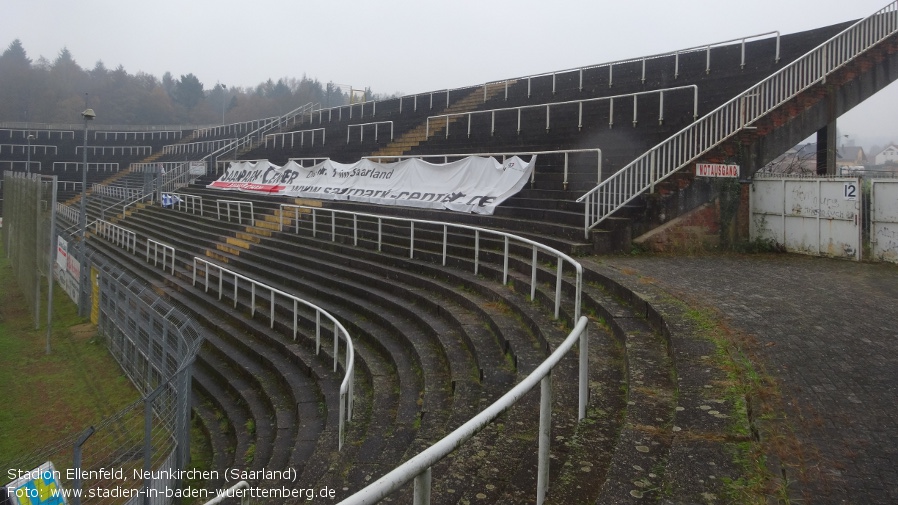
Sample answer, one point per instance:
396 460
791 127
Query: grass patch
47 397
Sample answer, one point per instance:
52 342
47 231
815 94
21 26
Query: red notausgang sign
716 170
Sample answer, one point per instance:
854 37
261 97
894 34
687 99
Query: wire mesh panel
29 209
137 455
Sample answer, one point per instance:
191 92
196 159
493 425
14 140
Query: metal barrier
419 467
566 152
362 130
346 386
548 107
188 203
168 253
292 135
122 237
720 124
507 238
239 204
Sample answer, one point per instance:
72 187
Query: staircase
740 114
421 133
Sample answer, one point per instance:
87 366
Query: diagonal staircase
736 116
421 133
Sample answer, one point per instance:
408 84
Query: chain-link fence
139 454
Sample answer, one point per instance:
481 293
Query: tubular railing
67 212
346 386
90 166
188 203
239 205
302 161
548 107
507 238
122 237
706 133
419 467
292 135
676 54
122 192
566 152
167 252
362 130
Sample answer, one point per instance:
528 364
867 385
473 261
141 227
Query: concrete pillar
826 149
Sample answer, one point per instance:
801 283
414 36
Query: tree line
57 92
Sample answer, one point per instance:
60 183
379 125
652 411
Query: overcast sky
411 46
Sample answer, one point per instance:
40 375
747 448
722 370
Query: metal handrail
725 121
347 385
168 252
506 237
239 204
188 203
566 152
419 467
569 102
302 137
116 234
676 54
362 130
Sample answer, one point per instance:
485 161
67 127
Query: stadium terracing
447 311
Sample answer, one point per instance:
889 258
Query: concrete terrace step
287 422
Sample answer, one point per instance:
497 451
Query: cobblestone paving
828 331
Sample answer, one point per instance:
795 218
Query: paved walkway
828 332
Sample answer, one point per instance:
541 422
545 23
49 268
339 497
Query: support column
826 149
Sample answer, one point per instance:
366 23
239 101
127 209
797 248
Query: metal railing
118 235
346 386
292 135
239 205
419 467
507 238
122 192
188 203
76 165
362 126
566 152
167 252
706 133
548 107
302 161
676 54
67 212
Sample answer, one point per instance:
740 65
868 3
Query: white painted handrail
549 105
239 204
167 252
188 203
419 467
347 385
299 210
720 124
292 135
362 130
118 235
565 152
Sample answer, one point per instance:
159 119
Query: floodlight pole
88 115
28 163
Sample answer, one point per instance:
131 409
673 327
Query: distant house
851 156
889 155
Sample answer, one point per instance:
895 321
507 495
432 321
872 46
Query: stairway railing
711 130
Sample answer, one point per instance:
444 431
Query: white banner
469 185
